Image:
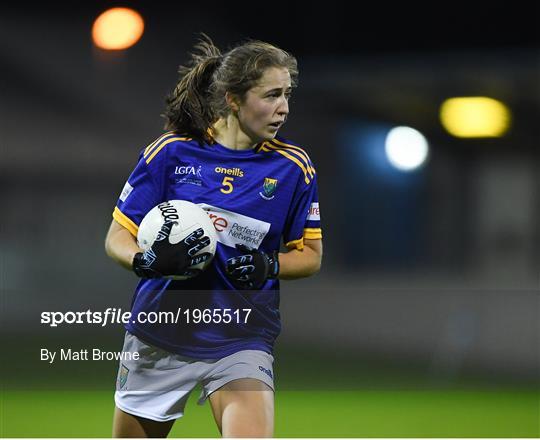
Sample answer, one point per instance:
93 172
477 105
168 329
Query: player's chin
269 133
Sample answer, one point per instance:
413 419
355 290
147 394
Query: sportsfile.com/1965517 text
116 316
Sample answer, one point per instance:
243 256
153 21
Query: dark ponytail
188 109
198 100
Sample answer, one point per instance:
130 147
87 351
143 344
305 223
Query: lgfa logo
189 174
188 170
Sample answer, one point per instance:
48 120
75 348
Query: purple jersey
254 197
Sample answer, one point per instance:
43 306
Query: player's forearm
299 264
121 246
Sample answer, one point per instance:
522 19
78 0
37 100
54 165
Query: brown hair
198 99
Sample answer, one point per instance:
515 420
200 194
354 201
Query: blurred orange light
117 28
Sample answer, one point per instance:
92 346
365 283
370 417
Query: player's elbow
109 246
111 242
312 263
315 256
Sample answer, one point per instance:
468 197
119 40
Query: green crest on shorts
122 378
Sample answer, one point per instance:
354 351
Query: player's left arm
301 263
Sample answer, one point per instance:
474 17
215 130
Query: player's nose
283 109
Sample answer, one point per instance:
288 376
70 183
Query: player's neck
227 132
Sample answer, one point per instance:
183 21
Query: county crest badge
269 188
122 377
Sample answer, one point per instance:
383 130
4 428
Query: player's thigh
129 426
244 408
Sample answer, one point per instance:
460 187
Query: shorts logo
314 213
126 191
122 377
233 228
189 174
266 371
269 188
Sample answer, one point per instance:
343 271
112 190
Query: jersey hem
201 353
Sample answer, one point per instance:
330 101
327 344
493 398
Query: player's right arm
121 245
144 189
163 258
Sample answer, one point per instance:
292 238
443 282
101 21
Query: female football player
220 151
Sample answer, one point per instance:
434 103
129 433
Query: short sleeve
304 220
142 191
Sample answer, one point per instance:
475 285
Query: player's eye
278 94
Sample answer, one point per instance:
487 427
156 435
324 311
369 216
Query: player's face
265 107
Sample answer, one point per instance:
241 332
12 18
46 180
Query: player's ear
232 101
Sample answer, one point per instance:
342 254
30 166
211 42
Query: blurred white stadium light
406 148
117 29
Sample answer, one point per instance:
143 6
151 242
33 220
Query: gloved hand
166 259
253 268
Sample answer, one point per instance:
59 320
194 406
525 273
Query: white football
188 217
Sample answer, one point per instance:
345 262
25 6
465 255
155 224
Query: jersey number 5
227 185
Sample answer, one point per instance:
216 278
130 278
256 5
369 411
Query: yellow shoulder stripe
299 151
164 144
268 147
125 221
307 164
157 141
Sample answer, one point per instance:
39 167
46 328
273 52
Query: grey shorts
158 384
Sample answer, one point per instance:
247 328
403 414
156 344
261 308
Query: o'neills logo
233 228
230 171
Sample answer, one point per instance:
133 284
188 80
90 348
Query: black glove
251 270
167 259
